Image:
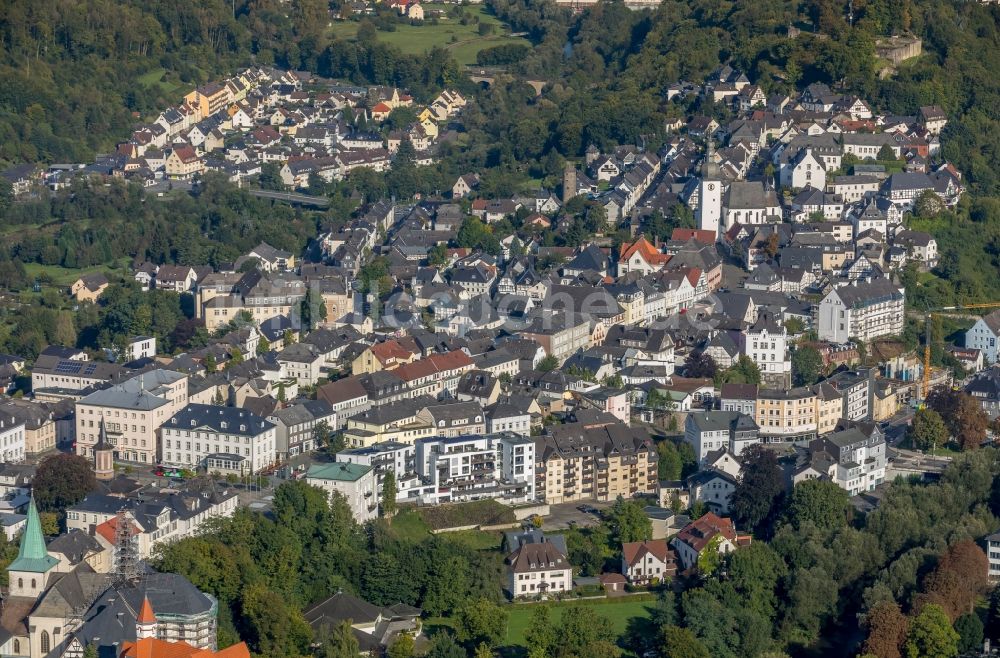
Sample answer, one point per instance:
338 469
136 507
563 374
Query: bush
455 515
509 53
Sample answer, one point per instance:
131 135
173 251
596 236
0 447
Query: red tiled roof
107 529
634 551
381 108
390 350
700 532
685 234
454 360
151 647
646 251
342 390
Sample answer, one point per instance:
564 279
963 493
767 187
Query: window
20 583
46 644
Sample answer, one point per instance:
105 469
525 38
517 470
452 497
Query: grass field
619 610
61 276
155 77
462 41
409 526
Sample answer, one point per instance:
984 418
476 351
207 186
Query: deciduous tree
931 635
760 486
682 643
628 522
807 365
928 430
820 503
887 629
62 480
480 621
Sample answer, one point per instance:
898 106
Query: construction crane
944 310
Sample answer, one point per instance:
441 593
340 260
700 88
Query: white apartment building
355 482
863 311
708 431
474 467
223 439
537 567
12 439
765 343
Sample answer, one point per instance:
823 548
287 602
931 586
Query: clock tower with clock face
710 193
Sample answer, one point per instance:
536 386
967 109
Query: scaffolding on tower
128 565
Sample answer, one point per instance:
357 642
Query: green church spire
32 556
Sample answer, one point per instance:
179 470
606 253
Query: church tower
104 456
710 193
145 623
28 573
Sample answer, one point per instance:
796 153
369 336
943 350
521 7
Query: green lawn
62 276
619 610
463 41
408 525
156 77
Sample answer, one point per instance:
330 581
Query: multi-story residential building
295 426
857 388
648 561
993 556
708 431
156 515
856 456
829 408
560 334
450 419
537 565
132 413
579 462
223 439
739 397
609 400
387 355
863 311
357 483
12 439
209 98
854 188
985 389
384 457
434 374
985 336
302 362
506 417
712 486
348 397
404 422
765 343
786 414
220 299
473 467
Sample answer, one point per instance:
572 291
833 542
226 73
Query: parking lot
564 515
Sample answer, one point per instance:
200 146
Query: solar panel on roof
67 367
90 369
